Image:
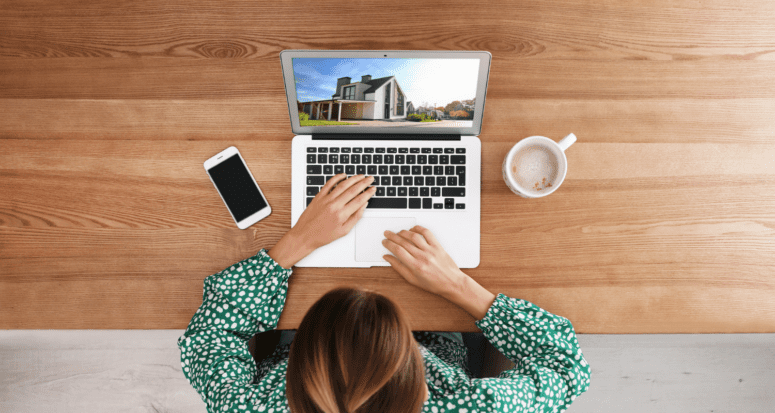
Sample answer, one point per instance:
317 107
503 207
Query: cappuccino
535 168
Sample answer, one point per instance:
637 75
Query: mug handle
567 141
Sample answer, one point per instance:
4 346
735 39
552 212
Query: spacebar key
392 203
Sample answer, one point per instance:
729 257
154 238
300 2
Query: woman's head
354 352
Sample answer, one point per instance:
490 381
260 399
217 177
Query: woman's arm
249 296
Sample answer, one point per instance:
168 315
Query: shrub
459 114
303 116
414 117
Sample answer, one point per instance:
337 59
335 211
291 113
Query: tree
455 105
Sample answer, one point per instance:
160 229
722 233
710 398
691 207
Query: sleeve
238 302
550 370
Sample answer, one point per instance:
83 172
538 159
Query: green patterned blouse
248 297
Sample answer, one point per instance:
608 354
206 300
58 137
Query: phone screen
237 188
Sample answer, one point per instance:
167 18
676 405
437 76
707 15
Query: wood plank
506 119
141 368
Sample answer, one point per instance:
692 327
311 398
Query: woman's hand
331 215
422 261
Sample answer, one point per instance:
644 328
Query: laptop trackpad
369 233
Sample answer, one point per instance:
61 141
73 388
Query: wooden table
665 223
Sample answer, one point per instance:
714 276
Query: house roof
376 83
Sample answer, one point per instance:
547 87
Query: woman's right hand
422 261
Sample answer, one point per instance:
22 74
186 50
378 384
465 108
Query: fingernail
387 232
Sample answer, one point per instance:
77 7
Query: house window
399 102
349 93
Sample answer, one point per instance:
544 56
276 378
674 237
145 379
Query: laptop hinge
386 136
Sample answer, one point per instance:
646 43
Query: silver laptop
408 118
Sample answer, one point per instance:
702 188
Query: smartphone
237 187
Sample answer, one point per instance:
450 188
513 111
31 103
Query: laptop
408 118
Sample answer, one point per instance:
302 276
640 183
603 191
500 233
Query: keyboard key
380 150
418 180
413 191
436 191
392 150
458 159
385 180
441 181
449 170
400 159
460 170
333 150
414 203
411 159
322 150
311 158
383 169
416 170
444 159
438 150
322 158
430 181
309 200
357 150
377 159
427 170
406 170
438 170
426 150
372 169
427 203
449 150
380 191
438 206
389 203
345 150
338 169
360 169
344 158
402 191
394 170
366 158
452 191
461 180
460 206
355 158
312 150
414 150
396 180
460 150
328 178
403 150
315 180
368 150
349 169
333 158
388 159
425 191
422 159
391 191
449 201
314 169
312 190
407 181
452 181
433 159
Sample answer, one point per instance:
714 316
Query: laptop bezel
287 56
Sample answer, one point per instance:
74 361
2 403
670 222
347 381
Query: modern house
368 99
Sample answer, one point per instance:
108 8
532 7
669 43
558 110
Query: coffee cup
536 166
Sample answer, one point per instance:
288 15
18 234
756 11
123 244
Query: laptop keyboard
406 178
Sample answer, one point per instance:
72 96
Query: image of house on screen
367 99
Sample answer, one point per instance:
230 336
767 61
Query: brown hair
354 352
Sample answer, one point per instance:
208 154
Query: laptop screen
389 94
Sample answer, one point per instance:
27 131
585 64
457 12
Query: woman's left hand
331 215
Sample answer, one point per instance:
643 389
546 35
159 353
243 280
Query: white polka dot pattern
248 297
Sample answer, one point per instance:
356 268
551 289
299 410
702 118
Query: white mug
558 149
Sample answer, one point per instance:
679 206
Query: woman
354 351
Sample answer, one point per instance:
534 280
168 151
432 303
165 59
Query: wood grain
665 224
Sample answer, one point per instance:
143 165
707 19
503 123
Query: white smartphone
237 187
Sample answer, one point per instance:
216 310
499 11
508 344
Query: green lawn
323 123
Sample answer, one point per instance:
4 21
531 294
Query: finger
425 232
398 251
415 238
331 183
343 185
408 245
350 223
359 201
355 189
397 265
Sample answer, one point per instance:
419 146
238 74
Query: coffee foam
535 168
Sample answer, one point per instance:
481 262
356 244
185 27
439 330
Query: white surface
458 229
369 233
139 371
